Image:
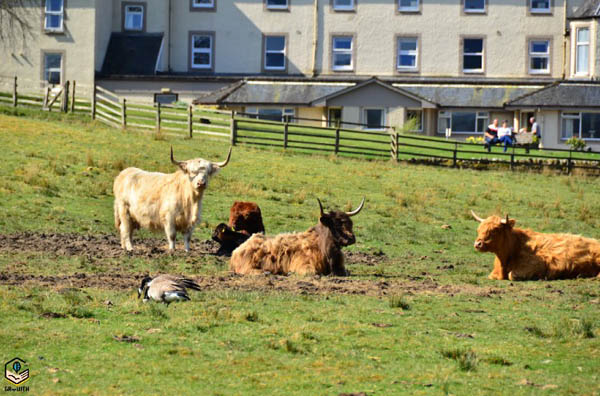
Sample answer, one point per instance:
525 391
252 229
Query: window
165 98
408 5
343 5
272 114
472 55
201 51
539 56
53 68
415 117
462 121
475 6
134 17
582 51
407 53
540 6
202 4
274 53
374 118
580 125
277 4
54 13
342 54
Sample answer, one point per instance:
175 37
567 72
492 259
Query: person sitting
491 135
505 135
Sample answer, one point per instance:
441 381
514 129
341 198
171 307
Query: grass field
417 315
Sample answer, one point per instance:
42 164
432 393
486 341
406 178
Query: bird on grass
166 288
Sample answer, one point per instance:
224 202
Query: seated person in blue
491 135
505 135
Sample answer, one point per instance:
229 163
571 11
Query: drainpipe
169 41
564 52
315 38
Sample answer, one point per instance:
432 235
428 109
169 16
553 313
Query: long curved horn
479 219
320 206
504 221
178 163
222 164
357 210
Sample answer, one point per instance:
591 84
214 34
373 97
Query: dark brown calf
228 239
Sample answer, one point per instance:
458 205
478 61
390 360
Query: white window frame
283 51
582 44
208 51
48 70
574 115
125 10
60 13
414 53
285 111
536 10
350 7
482 54
211 4
344 51
479 115
276 6
533 55
420 111
474 10
402 8
383 114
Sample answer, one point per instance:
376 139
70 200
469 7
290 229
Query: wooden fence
296 134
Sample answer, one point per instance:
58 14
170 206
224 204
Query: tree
16 18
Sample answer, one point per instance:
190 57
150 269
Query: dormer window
133 19
277 4
54 15
202 5
540 6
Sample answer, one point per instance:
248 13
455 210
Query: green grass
441 327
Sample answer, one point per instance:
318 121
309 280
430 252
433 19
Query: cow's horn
321 207
178 163
222 164
504 221
479 219
357 210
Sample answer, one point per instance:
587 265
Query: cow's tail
117 217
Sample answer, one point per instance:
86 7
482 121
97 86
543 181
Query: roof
132 54
562 95
271 93
589 9
375 80
468 96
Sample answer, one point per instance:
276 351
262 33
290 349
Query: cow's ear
214 170
183 166
511 222
325 220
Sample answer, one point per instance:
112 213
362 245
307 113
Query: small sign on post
448 133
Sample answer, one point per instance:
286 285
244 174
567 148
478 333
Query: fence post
233 128
94 102
190 120
569 162
46 95
512 158
158 117
64 100
73 97
454 154
285 133
124 114
14 98
337 138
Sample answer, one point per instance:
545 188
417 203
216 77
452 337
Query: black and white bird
166 288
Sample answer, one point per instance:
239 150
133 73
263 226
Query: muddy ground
101 247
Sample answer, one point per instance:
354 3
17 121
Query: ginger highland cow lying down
524 254
318 250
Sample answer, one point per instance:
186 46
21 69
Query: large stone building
449 64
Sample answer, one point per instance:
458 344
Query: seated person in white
505 135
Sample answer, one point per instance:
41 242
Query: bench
525 140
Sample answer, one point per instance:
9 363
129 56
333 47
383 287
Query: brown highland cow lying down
524 254
318 250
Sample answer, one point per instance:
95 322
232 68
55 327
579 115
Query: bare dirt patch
102 247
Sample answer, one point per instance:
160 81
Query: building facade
449 65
